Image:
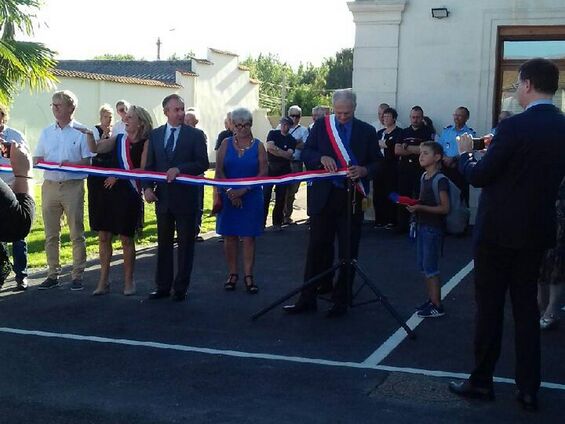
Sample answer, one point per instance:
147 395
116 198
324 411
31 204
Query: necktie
169 147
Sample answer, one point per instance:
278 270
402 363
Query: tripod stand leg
382 298
311 282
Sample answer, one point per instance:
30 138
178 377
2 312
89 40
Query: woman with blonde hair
122 206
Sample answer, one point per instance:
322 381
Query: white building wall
220 87
31 112
442 63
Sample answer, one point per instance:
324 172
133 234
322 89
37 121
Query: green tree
119 56
305 87
22 61
340 70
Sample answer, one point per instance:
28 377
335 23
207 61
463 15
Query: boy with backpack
431 212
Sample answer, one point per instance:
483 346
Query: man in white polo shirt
63 192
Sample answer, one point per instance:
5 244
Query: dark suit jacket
190 156
364 145
520 175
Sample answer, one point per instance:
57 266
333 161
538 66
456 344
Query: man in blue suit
519 176
327 199
176 149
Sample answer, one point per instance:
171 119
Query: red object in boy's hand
402 200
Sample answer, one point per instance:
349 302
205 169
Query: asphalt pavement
68 357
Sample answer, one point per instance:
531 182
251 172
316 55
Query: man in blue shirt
451 153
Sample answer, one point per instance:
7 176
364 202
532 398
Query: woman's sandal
230 284
250 287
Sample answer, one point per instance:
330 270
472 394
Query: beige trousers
57 198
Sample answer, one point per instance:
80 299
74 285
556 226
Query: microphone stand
349 265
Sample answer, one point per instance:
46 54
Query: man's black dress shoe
158 294
528 402
467 390
179 297
300 307
337 310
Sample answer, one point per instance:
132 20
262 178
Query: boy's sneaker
49 283
431 311
423 305
76 285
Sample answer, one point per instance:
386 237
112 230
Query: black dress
118 210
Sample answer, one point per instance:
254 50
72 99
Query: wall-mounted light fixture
440 12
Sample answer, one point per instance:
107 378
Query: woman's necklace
241 150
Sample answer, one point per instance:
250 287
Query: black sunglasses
294 116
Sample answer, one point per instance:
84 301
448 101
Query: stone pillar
375 55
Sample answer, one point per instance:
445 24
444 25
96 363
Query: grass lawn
36 238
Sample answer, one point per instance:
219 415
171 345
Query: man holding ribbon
176 149
338 142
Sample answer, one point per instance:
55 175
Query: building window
516 44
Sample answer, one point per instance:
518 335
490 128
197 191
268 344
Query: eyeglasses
56 105
294 116
240 126
121 110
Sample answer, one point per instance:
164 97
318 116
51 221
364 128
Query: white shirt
118 128
299 133
58 145
10 134
168 134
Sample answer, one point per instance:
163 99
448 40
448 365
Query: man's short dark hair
466 111
543 75
418 109
170 97
391 111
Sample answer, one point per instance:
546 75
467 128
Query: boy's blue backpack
457 220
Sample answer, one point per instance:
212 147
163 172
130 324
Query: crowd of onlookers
115 206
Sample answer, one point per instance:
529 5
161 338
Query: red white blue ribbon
183 178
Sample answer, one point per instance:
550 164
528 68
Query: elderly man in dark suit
520 175
176 149
327 200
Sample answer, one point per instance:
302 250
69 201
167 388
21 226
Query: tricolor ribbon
183 178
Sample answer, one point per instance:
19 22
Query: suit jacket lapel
355 141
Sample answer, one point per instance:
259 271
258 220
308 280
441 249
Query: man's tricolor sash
344 154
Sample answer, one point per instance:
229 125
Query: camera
479 143
5 147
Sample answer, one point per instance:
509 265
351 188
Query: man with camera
9 136
17 207
519 175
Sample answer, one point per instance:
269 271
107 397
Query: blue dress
246 221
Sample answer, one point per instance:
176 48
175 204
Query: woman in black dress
121 205
96 195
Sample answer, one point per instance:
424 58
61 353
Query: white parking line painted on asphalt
261 356
400 335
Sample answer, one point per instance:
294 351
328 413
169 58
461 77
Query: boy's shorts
428 248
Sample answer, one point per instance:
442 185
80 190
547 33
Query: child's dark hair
434 146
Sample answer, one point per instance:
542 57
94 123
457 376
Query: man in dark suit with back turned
327 199
520 175
176 149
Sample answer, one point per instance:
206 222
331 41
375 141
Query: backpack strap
435 184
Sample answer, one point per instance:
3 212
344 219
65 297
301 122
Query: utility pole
158 48
283 96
